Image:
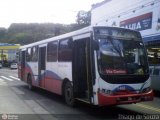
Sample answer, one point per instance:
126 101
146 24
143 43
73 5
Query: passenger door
22 66
42 65
82 69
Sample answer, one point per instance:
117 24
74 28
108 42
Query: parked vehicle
0 65
155 77
13 66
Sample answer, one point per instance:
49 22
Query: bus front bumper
106 100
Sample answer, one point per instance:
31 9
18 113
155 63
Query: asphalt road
18 102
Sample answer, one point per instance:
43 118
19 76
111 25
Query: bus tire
29 81
68 94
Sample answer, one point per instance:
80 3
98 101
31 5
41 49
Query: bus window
34 55
150 71
156 71
19 56
65 50
52 51
28 54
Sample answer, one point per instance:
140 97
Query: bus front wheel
68 94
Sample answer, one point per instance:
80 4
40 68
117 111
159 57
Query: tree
3 32
83 17
23 33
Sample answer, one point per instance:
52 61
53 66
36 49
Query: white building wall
113 12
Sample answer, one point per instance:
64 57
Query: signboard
139 23
130 15
158 22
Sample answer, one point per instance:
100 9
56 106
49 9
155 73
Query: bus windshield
120 56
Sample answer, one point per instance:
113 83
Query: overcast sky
41 11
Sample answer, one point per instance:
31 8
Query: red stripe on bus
53 85
124 99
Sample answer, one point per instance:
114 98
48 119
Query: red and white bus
98 65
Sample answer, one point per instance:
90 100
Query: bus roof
67 35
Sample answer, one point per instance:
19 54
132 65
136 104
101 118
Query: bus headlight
145 90
105 91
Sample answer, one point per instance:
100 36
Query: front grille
123 99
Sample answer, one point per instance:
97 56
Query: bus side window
34 53
28 54
156 71
19 56
65 50
150 71
52 51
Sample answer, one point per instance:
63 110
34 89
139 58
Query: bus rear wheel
29 81
68 94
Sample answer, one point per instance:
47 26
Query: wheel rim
68 94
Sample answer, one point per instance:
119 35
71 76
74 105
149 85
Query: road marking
148 107
6 78
1 80
14 77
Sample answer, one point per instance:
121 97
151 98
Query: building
8 52
140 15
